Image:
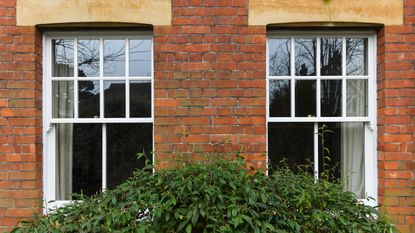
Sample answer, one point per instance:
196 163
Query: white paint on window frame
371 176
49 129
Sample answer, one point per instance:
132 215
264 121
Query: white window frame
49 123
371 180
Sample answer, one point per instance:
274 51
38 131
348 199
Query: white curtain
63 108
353 137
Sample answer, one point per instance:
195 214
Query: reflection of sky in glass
88 58
94 90
279 57
63 58
305 57
114 58
107 84
356 56
140 58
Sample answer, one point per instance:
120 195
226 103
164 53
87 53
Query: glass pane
62 99
331 98
279 57
114 99
356 97
329 150
331 56
140 58
114 58
88 103
356 56
291 141
305 98
140 99
305 57
124 141
88 58
78 159
279 98
343 156
62 58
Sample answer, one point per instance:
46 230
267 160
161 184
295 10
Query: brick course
209 82
396 122
20 119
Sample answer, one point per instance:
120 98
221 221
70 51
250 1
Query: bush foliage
217 196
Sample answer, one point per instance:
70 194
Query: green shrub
216 197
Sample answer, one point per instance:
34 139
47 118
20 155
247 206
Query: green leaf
182 225
189 228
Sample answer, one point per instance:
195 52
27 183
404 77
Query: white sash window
98 111
321 105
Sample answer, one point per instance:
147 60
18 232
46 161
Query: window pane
140 58
356 97
62 99
305 98
279 57
291 141
331 56
78 159
62 58
140 99
356 56
344 154
114 99
88 58
305 57
331 98
329 149
279 98
124 141
114 58
88 94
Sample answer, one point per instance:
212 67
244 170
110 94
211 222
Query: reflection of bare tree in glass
89 55
62 57
88 58
279 58
279 98
114 57
356 55
305 57
331 56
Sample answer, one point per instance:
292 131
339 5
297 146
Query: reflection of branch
355 56
89 54
309 45
280 59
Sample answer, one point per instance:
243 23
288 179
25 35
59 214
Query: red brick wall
396 120
20 118
209 82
